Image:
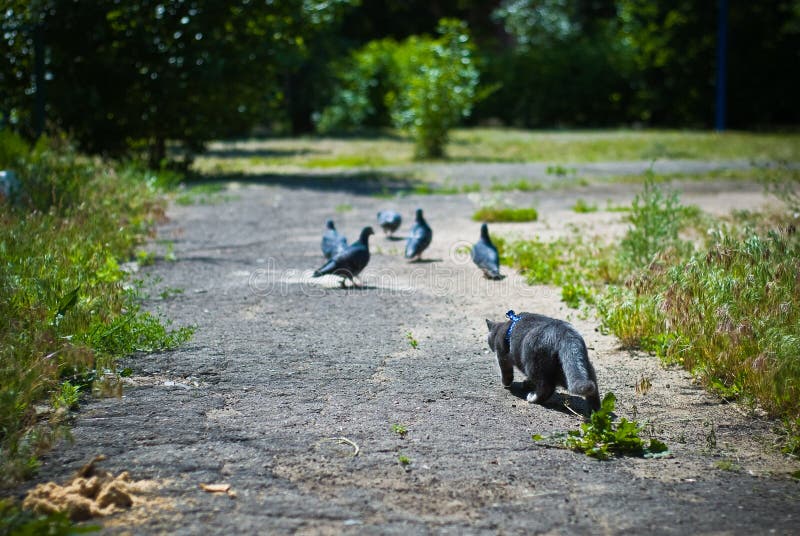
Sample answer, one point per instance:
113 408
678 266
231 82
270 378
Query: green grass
726 308
505 214
583 207
203 194
500 145
68 309
18 522
343 208
519 185
400 429
581 267
430 188
412 342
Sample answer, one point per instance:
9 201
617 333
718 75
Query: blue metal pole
722 64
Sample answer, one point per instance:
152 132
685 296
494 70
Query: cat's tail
578 371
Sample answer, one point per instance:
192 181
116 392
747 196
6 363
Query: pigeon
389 221
421 235
349 262
485 256
332 242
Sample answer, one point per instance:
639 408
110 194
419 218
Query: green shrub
18 522
425 86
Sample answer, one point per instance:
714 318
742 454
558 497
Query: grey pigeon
389 220
421 236
332 242
485 256
349 262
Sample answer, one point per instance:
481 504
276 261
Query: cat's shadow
558 402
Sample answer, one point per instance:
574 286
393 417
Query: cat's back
546 329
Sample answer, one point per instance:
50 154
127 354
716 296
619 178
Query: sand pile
90 493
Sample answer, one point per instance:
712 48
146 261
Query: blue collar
514 319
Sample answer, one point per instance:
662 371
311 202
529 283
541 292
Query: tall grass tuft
656 218
67 314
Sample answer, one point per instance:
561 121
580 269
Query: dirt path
282 365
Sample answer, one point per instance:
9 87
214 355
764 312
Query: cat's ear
490 324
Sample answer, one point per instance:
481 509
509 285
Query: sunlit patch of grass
505 214
500 145
428 188
711 175
581 267
510 145
521 185
348 161
204 194
343 208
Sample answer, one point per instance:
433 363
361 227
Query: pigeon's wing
389 221
357 260
486 258
395 221
348 263
419 240
332 244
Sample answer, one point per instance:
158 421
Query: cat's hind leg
542 393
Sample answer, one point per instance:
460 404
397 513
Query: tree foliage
125 74
424 85
121 75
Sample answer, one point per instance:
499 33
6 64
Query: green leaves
424 86
602 438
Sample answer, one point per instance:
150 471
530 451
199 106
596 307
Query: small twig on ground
345 440
574 412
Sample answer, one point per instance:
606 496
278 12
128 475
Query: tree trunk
158 152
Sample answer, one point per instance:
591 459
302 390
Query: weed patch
412 341
583 207
602 438
580 267
400 430
505 214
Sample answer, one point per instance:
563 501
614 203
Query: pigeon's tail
325 269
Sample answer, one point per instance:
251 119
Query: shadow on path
370 183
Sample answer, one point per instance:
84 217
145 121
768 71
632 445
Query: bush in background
426 85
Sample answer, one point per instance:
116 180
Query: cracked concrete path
283 367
